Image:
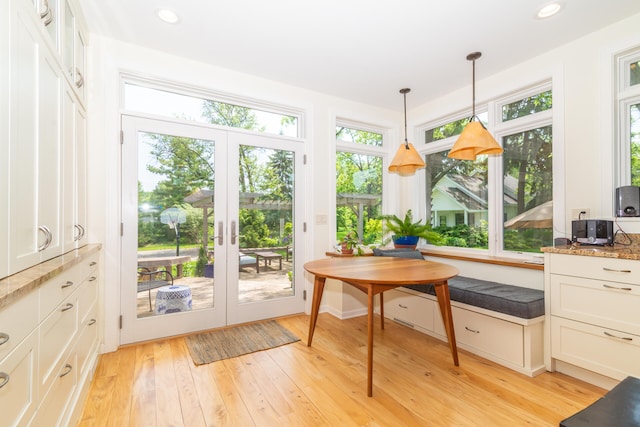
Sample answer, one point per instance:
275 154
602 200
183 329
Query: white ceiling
363 50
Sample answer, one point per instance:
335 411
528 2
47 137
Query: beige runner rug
225 343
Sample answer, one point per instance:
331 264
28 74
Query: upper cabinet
44 212
73 47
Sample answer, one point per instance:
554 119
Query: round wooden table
374 275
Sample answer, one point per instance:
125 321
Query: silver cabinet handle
47 15
233 233
91 322
402 306
220 235
92 263
67 370
92 278
48 237
617 337
80 80
3 338
471 330
616 270
80 232
67 306
615 287
67 284
5 379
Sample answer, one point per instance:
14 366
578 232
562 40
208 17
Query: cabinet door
35 215
50 156
80 202
68 170
23 184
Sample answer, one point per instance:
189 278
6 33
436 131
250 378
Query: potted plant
406 233
349 241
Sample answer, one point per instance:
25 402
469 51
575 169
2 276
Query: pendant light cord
406 143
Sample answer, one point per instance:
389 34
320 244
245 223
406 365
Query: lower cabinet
47 370
510 341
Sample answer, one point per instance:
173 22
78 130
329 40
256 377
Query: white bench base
510 341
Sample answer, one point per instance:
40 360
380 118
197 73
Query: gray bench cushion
508 299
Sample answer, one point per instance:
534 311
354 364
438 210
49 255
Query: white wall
582 102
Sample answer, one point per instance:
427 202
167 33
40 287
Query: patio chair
148 279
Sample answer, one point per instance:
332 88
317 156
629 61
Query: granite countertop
23 282
625 247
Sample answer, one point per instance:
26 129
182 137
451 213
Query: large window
628 95
358 181
498 204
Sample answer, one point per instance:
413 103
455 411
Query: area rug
222 344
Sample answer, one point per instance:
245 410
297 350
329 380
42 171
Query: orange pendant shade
406 161
473 141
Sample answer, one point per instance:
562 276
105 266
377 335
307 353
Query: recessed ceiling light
167 16
549 9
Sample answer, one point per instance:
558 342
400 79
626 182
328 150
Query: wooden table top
381 270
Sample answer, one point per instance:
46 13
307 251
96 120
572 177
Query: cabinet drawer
54 291
17 321
608 304
408 308
88 296
486 335
53 408
19 394
57 333
87 344
605 351
611 269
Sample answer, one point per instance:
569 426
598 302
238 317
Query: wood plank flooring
414 384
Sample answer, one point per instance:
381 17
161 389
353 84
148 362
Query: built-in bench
500 322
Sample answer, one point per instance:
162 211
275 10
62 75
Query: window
628 96
359 160
208 110
460 191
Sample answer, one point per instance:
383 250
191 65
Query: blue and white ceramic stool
173 299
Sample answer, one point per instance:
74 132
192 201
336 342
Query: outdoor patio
270 283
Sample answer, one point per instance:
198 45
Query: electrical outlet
576 213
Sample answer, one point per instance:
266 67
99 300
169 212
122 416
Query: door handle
233 233
220 233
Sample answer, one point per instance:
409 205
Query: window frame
500 129
362 149
626 95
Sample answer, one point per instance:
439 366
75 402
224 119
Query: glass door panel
169 175
267 231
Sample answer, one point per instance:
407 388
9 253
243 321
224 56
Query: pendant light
475 139
407 160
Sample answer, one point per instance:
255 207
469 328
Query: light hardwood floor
414 384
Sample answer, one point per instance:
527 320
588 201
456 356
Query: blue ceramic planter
405 241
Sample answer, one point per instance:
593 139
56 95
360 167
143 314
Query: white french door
210 224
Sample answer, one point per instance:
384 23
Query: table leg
280 259
318 288
370 344
442 293
179 270
381 311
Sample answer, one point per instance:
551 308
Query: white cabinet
511 341
19 395
44 207
74 168
35 148
593 318
49 348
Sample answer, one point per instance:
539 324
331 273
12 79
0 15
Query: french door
211 219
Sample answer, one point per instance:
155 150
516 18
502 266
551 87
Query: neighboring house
459 199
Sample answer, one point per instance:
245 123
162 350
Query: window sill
486 259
